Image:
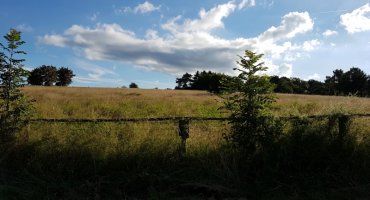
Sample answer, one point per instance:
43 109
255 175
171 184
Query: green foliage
252 122
49 75
353 82
14 107
209 81
65 76
184 82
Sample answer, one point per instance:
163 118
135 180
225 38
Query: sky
111 43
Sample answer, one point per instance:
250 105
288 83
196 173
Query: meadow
141 160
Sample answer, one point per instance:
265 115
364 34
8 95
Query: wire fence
342 121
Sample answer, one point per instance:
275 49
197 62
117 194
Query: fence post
184 134
343 126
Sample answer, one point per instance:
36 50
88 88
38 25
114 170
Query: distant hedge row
352 82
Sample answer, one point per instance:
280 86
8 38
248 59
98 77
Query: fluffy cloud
146 7
329 33
208 20
358 20
56 40
246 3
291 25
311 45
95 73
187 44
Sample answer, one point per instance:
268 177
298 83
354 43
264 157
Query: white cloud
95 73
329 33
292 24
146 7
311 45
358 20
24 28
284 69
123 10
267 3
314 76
208 20
187 44
56 40
143 8
246 3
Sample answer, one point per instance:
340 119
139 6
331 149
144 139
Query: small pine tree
252 122
14 107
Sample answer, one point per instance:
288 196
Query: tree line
210 81
352 82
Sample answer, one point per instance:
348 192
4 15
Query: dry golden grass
75 102
294 104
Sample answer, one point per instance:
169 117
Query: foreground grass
142 160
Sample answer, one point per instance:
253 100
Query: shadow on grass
306 162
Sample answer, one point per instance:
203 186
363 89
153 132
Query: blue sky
112 43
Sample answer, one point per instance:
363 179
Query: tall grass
142 160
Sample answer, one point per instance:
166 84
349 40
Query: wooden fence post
184 134
343 126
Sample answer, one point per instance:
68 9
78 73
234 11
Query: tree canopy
48 75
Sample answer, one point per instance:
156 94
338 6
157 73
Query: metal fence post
184 134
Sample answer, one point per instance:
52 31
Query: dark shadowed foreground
142 161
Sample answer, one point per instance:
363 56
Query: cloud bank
186 45
358 20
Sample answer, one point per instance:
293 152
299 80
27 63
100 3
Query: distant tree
14 106
282 84
133 85
299 86
354 82
184 82
35 77
316 87
210 81
335 82
46 75
65 76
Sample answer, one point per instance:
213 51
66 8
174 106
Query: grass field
142 160
59 102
